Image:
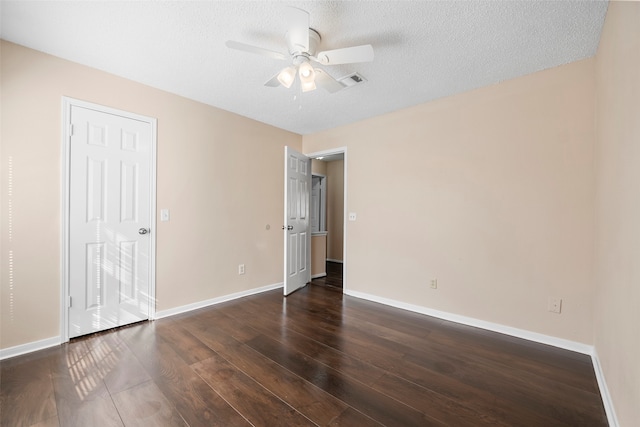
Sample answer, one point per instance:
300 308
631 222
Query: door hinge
69 302
70 129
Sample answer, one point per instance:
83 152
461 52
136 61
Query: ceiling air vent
352 80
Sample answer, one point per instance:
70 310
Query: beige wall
220 174
335 210
318 255
490 192
318 167
617 314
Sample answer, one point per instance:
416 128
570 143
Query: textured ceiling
423 50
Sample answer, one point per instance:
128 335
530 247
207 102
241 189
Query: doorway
329 244
109 218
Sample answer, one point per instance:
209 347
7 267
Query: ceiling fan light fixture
308 86
287 76
306 72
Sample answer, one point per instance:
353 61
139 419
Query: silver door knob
143 231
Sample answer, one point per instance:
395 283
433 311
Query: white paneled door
297 241
110 214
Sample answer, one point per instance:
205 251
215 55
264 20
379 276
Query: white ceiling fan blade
273 82
326 82
255 49
298 34
347 55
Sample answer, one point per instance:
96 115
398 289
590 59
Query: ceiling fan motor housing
295 50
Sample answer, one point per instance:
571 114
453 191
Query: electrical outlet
241 269
555 305
434 283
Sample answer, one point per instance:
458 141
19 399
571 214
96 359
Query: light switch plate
164 215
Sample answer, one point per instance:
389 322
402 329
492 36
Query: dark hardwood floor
315 358
334 275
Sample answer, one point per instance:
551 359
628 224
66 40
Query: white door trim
339 150
67 103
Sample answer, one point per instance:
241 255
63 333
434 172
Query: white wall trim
339 261
316 276
206 303
604 390
490 326
29 347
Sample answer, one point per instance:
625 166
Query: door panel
129 191
94 284
302 259
297 244
127 264
109 201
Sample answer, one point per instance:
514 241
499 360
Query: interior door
109 219
297 241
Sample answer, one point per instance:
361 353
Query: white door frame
332 151
67 104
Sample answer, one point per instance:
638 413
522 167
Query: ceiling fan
302 43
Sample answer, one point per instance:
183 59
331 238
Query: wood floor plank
95 412
49 422
194 400
524 362
346 364
79 383
198 404
145 405
188 347
154 353
21 384
82 396
539 395
350 417
357 395
311 401
125 372
317 405
258 405
221 321
434 404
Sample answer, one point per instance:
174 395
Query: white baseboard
604 391
316 276
29 347
470 321
206 303
339 261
